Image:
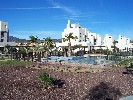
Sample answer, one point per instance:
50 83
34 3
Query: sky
48 18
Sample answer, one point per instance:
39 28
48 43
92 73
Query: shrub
47 79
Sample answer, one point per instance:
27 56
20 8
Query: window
2 34
91 35
71 26
2 40
79 40
109 37
85 38
80 34
5 26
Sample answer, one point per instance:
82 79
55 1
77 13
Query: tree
68 38
114 50
7 48
77 47
48 45
33 39
22 51
114 46
13 51
65 50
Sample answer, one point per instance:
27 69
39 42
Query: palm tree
114 49
114 46
7 48
77 47
33 39
22 51
65 50
68 38
48 45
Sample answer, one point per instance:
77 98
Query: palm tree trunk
39 57
32 56
69 49
11 56
47 55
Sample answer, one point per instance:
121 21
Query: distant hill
56 40
18 40
15 39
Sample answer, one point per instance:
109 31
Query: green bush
46 79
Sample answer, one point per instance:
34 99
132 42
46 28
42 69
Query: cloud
63 7
99 22
66 17
39 34
75 17
33 8
101 4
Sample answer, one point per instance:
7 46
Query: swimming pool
80 59
89 60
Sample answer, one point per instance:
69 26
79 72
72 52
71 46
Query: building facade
124 43
92 40
4 35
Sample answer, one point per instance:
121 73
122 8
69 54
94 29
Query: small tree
114 49
114 46
7 48
77 47
68 38
33 39
48 45
22 51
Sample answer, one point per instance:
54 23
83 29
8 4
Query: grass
5 59
13 62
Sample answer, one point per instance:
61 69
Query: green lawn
7 62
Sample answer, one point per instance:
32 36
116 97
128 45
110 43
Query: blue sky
48 18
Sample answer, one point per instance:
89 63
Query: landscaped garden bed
21 83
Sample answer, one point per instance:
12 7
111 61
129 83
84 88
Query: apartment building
4 34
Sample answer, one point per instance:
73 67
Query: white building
108 41
4 34
90 40
124 43
77 30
